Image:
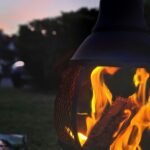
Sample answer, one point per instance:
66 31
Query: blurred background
37 40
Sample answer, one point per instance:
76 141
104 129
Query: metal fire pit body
120 38
65 109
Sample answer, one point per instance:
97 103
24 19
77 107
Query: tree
46 45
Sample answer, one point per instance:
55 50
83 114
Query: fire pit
104 98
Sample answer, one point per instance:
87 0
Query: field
24 112
30 113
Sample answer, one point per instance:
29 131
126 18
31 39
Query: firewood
102 134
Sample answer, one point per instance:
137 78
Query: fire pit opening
101 107
104 98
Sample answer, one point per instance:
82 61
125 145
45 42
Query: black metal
67 146
121 15
120 36
74 111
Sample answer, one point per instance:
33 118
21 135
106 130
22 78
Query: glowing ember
69 132
82 138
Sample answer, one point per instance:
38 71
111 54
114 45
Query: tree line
46 45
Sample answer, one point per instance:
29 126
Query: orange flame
101 97
68 130
82 138
140 80
127 114
131 137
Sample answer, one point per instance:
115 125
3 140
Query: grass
31 114
28 113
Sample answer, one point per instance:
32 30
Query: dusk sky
15 12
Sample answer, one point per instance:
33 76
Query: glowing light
130 138
43 31
69 132
101 94
18 64
101 97
82 138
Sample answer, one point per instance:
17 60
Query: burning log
113 121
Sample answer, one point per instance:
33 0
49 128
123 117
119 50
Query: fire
68 130
140 79
127 138
127 113
131 137
82 138
101 97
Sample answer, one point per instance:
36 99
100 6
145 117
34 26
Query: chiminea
104 99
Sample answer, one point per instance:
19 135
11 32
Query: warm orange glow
127 114
82 138
140 79
69 132
130 138
101 97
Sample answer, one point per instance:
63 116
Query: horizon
18 12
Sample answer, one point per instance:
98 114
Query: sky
16 12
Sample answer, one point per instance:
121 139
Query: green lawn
29 113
